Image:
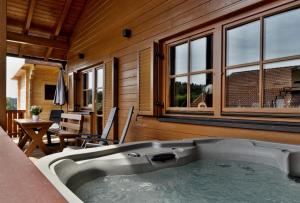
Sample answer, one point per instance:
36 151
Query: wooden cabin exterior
36 87
238 97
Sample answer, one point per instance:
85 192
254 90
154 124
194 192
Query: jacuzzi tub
71 169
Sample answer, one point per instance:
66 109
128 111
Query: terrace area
151 79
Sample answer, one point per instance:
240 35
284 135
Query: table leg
23 140
37 140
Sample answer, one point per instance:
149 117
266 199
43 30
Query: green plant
36 110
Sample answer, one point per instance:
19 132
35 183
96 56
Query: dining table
34 132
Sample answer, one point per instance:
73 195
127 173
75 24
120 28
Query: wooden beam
59 25
33 26
25 39
3 64
27 22
29 16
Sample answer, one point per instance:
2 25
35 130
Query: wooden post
3 64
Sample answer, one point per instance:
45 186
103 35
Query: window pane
199 54
178 92
99 78
242 87
282 35
282 84
179 59
99 101
201 90
90 81
88 98
243 44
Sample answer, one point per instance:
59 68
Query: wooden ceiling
41 28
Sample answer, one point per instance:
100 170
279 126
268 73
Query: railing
12 128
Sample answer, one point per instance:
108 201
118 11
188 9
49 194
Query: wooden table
30 128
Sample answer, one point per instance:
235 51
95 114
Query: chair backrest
55 115
71 122
125 129
109 122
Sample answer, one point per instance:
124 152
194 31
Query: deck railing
12 128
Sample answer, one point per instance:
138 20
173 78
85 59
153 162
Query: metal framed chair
104 141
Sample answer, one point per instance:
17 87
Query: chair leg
48 138
62 143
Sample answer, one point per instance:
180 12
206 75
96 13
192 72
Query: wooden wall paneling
151 24
3 64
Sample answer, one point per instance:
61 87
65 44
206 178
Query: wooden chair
105 141
70 127
55 116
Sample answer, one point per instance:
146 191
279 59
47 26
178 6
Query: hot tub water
201 181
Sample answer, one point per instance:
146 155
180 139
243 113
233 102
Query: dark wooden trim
236 123
115 89
3 63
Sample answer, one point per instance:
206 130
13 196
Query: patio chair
106 130
55 116
70 128
89 142
89 137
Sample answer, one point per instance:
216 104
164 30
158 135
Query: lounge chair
89 142
88 137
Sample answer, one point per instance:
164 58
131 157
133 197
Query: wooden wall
31 88
3 63
98 36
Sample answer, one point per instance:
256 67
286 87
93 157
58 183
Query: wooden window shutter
110 91
147 75
72 91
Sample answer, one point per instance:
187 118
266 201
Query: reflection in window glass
243 44
201 90
198 54
179 59
178 92
282 85
88 98
282 35
99 101
88 80
242 89
99 78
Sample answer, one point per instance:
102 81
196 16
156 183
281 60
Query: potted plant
35 112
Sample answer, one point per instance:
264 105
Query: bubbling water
217 181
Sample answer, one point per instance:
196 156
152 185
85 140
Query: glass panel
179 59
90 81
88 98
199 54
282 85
178 92
243 44
99 78
99 101
282 35
201 90
242 87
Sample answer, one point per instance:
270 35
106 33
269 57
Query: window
99 91
190 74
50 92
262 68
87 88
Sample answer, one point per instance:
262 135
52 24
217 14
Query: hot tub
200 170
